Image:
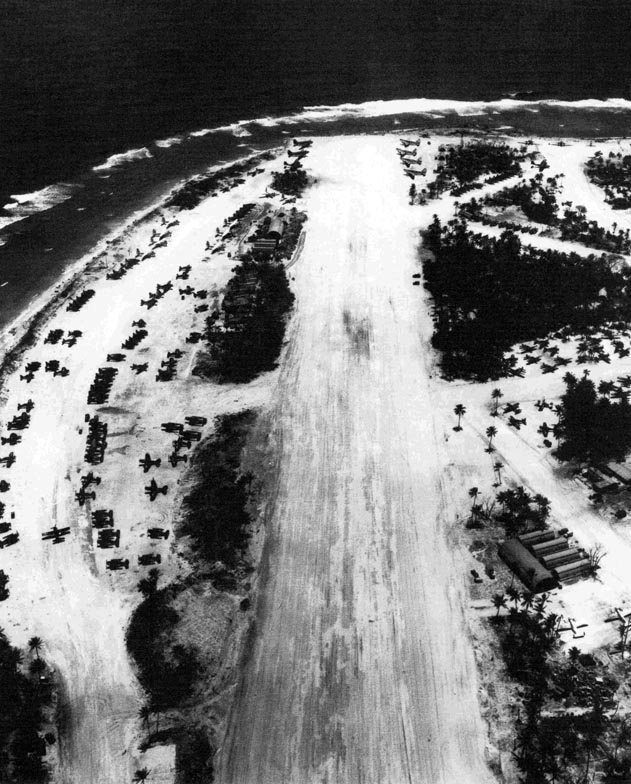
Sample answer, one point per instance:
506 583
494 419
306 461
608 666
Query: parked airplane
174 459
158 533
116 357
153 490
19 422
103 518
8 460
146 463
13 538
117 563
150 303
140 368
172 427
28 406
28 378
140 323
13 439
82 496
107 538
149 559
195 421
90 479
56 535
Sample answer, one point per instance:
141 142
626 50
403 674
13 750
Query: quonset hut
524 564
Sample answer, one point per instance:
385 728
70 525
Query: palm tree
141 775
557 431
499 601
473 494
145 714
37 667
540 604
543 506
573 654
513 594
497 468
35 644
527 598
496 394
491 432
459 411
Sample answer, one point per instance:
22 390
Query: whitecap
22 205
170 142
124 157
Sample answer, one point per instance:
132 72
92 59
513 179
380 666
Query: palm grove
491 293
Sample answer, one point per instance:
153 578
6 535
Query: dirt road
361 669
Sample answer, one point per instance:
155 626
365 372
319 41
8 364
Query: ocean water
105 105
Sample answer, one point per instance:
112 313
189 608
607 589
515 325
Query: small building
572 571
523 563
620 471
277 227
551 546
265 246
536 537
602 482
563 557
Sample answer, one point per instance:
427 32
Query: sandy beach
362 666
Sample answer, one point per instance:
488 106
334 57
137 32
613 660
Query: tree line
24 698
215 518
613 175
460 165
563 722
592 426
247 338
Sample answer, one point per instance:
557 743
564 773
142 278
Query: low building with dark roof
524 564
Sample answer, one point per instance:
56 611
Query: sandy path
362 670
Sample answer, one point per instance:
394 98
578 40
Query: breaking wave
428 107
170 142
124 157
25 204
